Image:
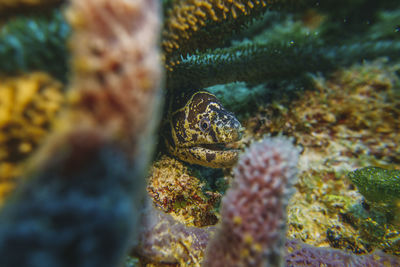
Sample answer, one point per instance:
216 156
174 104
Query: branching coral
28 105
271 61
252 229
269 53
189 24
115 81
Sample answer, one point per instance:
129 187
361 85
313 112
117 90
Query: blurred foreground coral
79 202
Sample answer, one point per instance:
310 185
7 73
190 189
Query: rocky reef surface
316 86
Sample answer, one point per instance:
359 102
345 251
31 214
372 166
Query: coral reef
176 191
237 240
28 105
113 81
80 200
314 212
252 228
80 196
349 121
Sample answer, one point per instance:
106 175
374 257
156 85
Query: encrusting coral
164 241
176 191
79 204
300 254
28 105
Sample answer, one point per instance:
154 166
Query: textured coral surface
29 104
299 254
176 191
166 242
253 210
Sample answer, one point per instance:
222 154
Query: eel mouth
220 147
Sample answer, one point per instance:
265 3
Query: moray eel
201 130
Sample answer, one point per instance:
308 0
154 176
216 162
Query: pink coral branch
253 222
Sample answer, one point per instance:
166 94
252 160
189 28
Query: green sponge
377 184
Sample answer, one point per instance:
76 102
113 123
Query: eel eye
204 124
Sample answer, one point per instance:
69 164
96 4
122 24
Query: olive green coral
201 24
377 184
261 62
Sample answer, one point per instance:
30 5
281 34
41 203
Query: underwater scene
221 133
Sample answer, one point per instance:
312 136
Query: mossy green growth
377 184
35 43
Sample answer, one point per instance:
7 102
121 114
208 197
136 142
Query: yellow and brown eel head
202 130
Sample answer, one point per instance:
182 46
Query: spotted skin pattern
200 130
